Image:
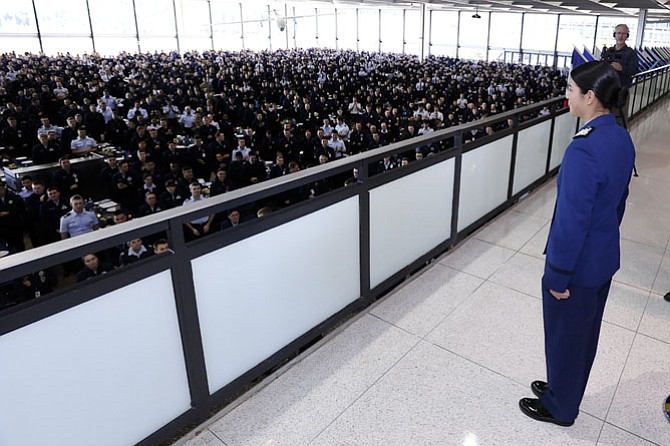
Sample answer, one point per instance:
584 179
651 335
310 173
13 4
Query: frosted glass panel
484 180
108 372
257 295
531 155
564 130
408 218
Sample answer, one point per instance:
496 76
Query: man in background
625 62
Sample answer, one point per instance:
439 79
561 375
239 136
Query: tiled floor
445 358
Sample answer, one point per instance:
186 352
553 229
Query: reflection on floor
444 359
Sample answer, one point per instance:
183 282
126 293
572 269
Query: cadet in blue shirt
78 221
583 249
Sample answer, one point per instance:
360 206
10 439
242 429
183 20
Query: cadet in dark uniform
583 249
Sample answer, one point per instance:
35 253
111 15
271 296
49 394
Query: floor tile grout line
374 383
623 370
604 420
632 433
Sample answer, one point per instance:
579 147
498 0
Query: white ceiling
657 9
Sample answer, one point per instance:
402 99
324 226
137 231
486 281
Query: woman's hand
560 296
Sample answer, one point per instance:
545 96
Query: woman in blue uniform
582 251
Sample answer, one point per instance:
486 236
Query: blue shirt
77 224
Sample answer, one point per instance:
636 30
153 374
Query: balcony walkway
444 359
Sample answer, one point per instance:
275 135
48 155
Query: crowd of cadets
219 116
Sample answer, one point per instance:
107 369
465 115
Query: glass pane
20 45
72 45
195 44
413 31
346 29
305 27
69 17
193 18
155 18
226 26
18 17
256 25
256 35
112 18
575 30
368 29
111 46
606 27
252 11
539 35
327 28
160 44
473 36
228 37
444 33
656 34
392 31
280 31
505 37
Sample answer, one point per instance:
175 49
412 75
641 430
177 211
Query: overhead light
476 14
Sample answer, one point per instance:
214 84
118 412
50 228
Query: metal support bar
641 22
176 27
558 28
337 33
488 37
430 33
211 25
90 23
242 26
37 24
423 29
458 34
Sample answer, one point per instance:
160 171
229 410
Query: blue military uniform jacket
583 247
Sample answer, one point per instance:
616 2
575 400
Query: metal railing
648 87
156 345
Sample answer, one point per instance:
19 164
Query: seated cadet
93 268
150 205
83 144
233 219
136 251
161 246
199 226
171 197
45 151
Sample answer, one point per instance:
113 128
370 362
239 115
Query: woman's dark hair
600 77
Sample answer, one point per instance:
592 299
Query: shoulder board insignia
68 214
584 132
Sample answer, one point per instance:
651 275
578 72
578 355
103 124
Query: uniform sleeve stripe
558 270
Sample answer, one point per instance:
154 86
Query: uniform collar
608 118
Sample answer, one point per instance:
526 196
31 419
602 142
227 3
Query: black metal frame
659 80
179 264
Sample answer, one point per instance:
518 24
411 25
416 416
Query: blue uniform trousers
571 332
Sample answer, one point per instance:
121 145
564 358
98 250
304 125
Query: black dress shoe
539 388
533 408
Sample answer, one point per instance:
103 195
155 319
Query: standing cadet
583 249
